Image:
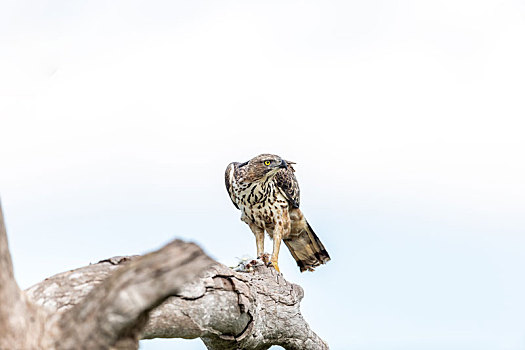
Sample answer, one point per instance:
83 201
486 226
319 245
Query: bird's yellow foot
273 263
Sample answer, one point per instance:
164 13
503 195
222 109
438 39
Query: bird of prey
267 193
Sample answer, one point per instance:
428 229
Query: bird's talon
274 265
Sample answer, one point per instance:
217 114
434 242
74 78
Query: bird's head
264 165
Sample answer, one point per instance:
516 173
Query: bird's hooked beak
283 164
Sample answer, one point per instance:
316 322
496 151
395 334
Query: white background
405 119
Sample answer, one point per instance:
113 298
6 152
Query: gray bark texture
174 292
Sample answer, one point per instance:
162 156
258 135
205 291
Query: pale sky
405 119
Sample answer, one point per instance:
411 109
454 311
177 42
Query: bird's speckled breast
261 203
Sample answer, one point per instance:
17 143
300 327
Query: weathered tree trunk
175 292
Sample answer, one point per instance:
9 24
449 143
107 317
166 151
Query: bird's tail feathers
307 249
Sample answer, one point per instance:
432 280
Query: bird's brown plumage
266 191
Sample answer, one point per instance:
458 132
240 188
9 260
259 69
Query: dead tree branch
21 322
175 292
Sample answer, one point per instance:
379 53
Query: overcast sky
405 119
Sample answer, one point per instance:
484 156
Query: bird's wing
287 183
229 176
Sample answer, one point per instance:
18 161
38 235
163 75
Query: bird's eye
267 162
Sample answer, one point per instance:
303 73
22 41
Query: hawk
266 191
